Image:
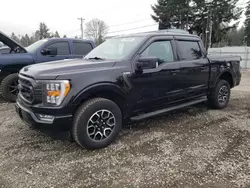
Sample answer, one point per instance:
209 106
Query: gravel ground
192 147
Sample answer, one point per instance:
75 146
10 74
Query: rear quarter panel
223 64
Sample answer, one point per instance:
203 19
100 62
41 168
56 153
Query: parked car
41 51
126 78
4 50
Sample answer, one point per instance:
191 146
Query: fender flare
95 88
227 71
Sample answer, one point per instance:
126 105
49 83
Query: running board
162 111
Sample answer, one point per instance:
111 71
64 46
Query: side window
160 49
81 48
62 48
190 50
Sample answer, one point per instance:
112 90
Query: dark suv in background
126 78
41 51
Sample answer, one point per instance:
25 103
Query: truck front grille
26 90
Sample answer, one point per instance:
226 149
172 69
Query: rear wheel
221 95
9 87
97 123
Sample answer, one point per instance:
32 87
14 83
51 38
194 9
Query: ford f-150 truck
41 51
127 78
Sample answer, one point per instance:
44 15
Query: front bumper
59 122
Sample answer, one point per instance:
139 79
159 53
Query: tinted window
62 48
190 50
81 48
160 49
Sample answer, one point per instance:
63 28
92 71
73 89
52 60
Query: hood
52 70
9 42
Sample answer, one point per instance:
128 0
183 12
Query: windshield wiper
96 58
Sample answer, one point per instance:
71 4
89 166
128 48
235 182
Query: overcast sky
62 15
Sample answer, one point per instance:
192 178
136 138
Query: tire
93 118
5 91
217 100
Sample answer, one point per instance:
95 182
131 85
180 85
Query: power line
68 33
132 28
112 26
130 22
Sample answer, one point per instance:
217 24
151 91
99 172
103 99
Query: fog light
45 117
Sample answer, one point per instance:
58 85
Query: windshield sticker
128 39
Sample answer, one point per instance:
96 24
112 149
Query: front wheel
97 123
220 95
9 87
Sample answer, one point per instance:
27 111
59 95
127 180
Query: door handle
203 69
174 72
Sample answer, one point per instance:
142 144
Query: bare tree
96 30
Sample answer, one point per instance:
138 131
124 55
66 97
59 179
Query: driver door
63 52
159 86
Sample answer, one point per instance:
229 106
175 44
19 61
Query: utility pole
206 35
81 26
210 29
187 25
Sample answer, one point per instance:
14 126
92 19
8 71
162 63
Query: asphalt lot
192 147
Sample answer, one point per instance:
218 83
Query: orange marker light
54 93
67 88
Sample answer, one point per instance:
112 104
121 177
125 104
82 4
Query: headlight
55 91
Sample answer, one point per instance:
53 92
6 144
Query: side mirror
146 63
51 51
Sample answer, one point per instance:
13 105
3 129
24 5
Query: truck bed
223 58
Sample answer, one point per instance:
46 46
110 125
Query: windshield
33 47
116 48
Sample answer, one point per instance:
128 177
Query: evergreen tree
43 31
51 35
172 13
35 37
196 15
64 36
56 34
235 37
223 13
14 37
247 24
25 40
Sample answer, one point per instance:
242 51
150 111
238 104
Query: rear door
194 72
80 49
63 52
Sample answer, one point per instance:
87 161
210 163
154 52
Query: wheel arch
226 75
105 90
10 69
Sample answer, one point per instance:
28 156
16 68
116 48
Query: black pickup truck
126 78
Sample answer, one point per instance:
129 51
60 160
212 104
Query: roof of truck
167 32
74 39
